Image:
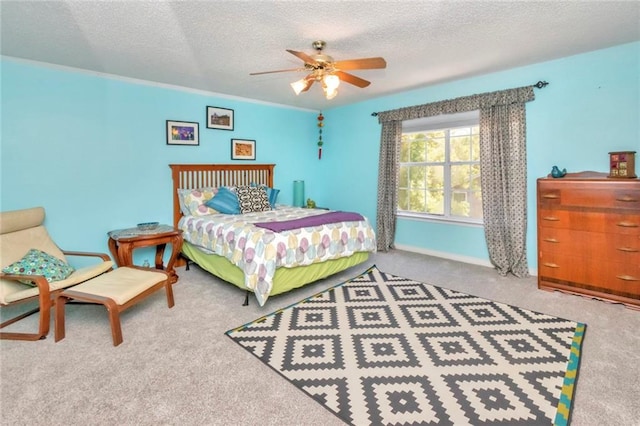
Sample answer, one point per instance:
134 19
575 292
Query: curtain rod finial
374 114
540 84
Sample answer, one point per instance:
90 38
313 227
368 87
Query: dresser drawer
597 273
590 221
598 195
590 245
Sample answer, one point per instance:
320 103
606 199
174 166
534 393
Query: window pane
435 177
475 205
435 202
404 149
435 150
417 176
475 146
403 177
459 204
460 131
417 201
475 177
460 176
403 199
417 154
461 148
436 134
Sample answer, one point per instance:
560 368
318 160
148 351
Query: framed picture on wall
219 118
243 149
182 133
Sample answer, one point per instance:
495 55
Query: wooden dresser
589 236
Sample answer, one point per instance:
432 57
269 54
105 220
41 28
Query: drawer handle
551 265
551 218
627 249
550 196
627 278
551 240
627 224
627 199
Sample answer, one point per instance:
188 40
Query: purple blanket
305 222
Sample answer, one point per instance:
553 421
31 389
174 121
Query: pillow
252 199
193 201
225 201
272 193
37 262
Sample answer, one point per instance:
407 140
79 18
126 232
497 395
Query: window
440 168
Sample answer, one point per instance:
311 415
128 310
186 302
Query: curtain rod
539 85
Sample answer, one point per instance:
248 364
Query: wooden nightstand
122 242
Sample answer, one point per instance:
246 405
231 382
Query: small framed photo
219 118
182 133
243 149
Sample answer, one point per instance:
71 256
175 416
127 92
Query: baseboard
452 256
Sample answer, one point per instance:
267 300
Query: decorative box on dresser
589 236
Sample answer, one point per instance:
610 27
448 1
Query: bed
264 261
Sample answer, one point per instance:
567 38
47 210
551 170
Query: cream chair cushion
122 285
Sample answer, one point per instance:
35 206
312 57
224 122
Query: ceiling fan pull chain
320 143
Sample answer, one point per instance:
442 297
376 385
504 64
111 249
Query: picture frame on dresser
182 133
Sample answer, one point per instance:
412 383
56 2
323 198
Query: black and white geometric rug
385 350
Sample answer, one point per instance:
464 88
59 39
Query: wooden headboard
193 176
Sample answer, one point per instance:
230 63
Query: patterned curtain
388 183
503 162
503 165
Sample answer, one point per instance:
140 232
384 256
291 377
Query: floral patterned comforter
258 251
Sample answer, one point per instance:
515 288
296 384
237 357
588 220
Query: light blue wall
591 107
92 150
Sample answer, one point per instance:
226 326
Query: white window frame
441 122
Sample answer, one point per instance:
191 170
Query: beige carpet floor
176 366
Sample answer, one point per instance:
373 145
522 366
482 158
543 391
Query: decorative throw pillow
225 201
272 193
252 199
37 262
194 201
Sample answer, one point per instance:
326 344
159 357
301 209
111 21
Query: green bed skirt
285 279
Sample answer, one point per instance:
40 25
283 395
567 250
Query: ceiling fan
323 69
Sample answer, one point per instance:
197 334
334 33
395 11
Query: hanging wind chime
320 143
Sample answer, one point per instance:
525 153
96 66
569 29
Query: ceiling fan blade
271 72
361 64
352 79
306 58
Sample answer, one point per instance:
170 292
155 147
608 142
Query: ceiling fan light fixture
298 86
331 81
330 93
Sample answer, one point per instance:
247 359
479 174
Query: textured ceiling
214 45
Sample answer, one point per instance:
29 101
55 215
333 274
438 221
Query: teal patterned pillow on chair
37 262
